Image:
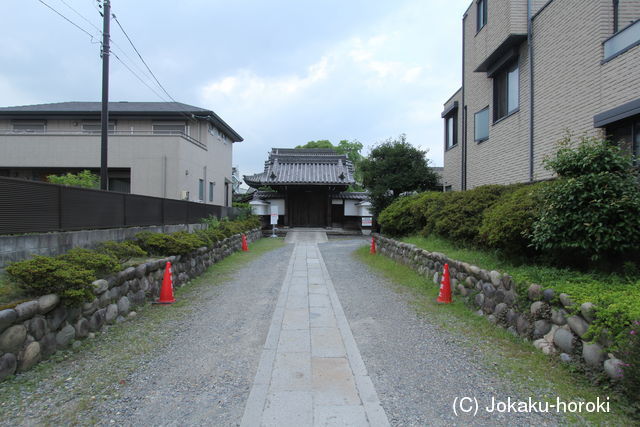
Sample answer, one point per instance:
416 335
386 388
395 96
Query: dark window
481 16
226 194
451 130
506 91
481 122
211 191
627 134
201 190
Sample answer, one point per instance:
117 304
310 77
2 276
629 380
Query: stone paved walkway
311 372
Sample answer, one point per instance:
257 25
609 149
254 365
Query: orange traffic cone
445 287
373 246
245 247
166 292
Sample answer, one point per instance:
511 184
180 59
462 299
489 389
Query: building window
481 16
451 130
481 122
627 134
95 128
201 190
29 127
169 129
211 184
506 91
226 194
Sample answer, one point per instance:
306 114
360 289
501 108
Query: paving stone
333 382
327 342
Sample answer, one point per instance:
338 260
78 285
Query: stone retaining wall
34 330
554 325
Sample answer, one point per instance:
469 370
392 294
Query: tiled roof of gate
287 166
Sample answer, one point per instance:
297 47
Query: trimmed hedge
508 223
70 275
461 216
42 275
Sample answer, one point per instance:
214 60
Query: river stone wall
554 325
34 330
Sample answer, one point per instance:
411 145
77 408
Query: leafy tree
84 179
395 167
593 208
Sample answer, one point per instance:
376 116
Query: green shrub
100 263
84 179
427 209
180 243
593 209
244 210
43 275
508 223
631 357
211 221
397 219
461 216
122 251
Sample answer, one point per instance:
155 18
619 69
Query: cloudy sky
281 72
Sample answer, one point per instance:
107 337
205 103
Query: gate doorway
308 208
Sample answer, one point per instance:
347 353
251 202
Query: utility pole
104 174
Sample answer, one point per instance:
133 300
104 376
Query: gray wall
20 247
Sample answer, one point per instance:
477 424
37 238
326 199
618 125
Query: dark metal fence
37 207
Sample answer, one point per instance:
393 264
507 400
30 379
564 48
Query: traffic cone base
166 292
445 287
373 246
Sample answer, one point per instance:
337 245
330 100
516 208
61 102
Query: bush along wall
552 322
34 330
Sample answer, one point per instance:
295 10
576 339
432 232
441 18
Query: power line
141 58
68 20
82 16
120 48
138 77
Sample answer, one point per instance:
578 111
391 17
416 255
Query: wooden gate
308 208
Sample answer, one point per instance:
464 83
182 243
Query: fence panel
82 208
26 207
36 207
142 210
175 211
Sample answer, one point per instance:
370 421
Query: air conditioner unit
184 195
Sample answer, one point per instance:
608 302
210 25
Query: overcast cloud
280 73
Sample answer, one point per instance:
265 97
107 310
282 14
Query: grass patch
532 373
74 381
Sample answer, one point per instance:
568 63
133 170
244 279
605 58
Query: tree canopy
395 167
84 179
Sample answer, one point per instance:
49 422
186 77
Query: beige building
160 149
533 71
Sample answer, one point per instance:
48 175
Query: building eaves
120 109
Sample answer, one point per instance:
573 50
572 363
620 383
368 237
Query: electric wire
68 20
189 117
141 58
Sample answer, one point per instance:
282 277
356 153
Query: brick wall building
574 69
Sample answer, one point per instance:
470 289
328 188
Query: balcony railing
622 41
133 133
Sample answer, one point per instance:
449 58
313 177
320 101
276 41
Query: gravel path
205 376
203 371
417 368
